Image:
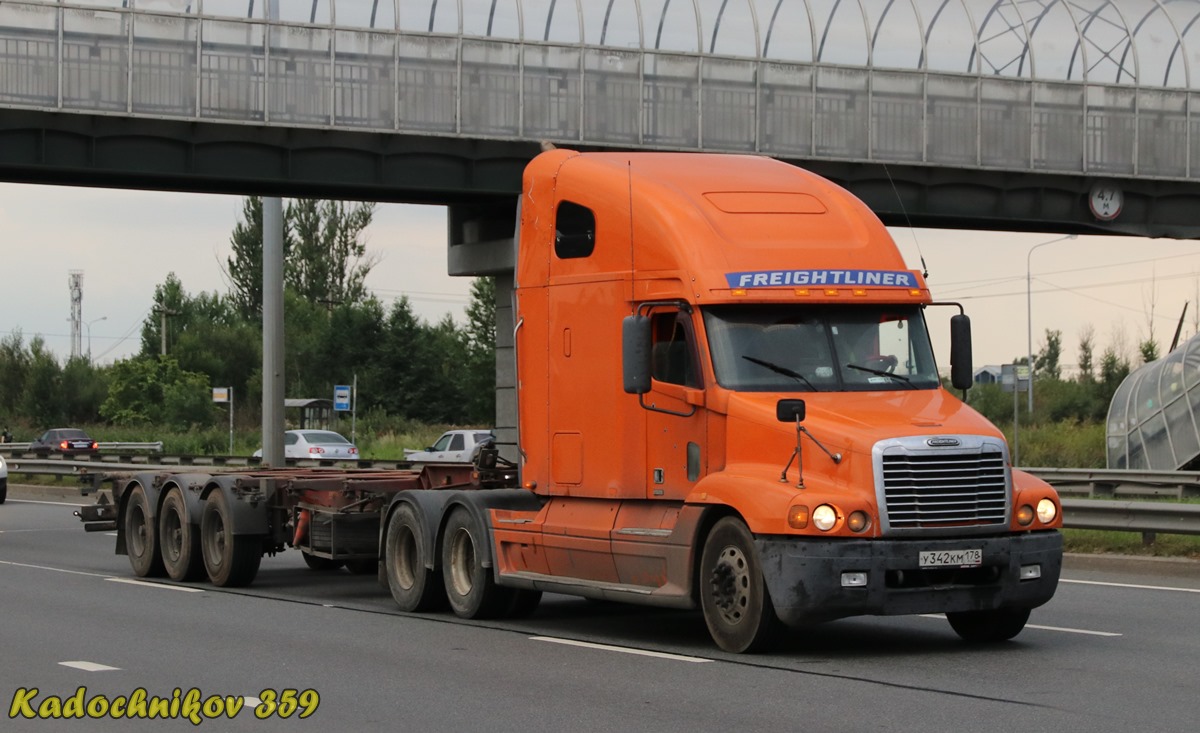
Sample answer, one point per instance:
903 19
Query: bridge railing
162 65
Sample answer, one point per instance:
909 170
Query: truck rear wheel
141 537
414 586
470 587
179 541
231 560
733 595
988 627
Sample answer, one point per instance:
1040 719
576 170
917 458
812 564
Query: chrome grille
935 489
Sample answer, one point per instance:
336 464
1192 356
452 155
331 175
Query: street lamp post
89 332
1029 315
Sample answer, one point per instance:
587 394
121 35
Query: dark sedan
67 441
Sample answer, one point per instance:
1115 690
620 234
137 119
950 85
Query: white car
3 480
455 446
322 445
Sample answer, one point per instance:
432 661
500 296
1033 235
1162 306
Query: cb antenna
908 222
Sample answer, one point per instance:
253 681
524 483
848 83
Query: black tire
178 539
988 627
316 562
3 490
368 566
737 607
231 560
414 586
470 587
141 537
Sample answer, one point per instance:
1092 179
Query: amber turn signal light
797 517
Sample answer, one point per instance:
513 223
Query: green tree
42 398
1148 350
480 377
14 369
156 391
328 261
1087 340
1046 362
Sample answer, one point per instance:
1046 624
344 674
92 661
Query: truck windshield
786 348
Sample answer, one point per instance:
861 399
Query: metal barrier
1147 517
111 447
1118 483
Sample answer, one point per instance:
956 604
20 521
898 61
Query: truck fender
430 508
150 485
249 509
479 503
190 485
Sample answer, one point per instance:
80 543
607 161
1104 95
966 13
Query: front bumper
805 576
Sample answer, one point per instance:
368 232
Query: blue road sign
341 397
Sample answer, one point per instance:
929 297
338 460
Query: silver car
322 445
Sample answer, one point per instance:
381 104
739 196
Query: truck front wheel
231 560
141 537
179 540
470 587
414 586
987 627
733 595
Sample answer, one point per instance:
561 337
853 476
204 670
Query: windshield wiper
781 370
882 373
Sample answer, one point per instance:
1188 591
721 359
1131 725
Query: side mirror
789 410
961 368
635 354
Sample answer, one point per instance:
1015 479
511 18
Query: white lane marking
1063 629
47 529
90 666
251 701
1131 585
57 570
131 581
1072 631
622 649
51 503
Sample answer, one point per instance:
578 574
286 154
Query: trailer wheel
470 587
414 585
231 560
141 537
737 607
988 627
178 539
316 562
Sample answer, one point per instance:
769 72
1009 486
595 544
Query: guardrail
1117 483
112 447
1147 517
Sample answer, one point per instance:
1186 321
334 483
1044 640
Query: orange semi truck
727 400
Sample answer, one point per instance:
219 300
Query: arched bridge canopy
1133 42
1155 413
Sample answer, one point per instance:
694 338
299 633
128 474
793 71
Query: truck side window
574 231
673 354
456 443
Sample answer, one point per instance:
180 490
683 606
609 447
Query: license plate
951 559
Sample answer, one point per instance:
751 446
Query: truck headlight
824 517
1046 511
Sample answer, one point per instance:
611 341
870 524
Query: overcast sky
126 242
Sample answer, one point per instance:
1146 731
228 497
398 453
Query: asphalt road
1116 650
